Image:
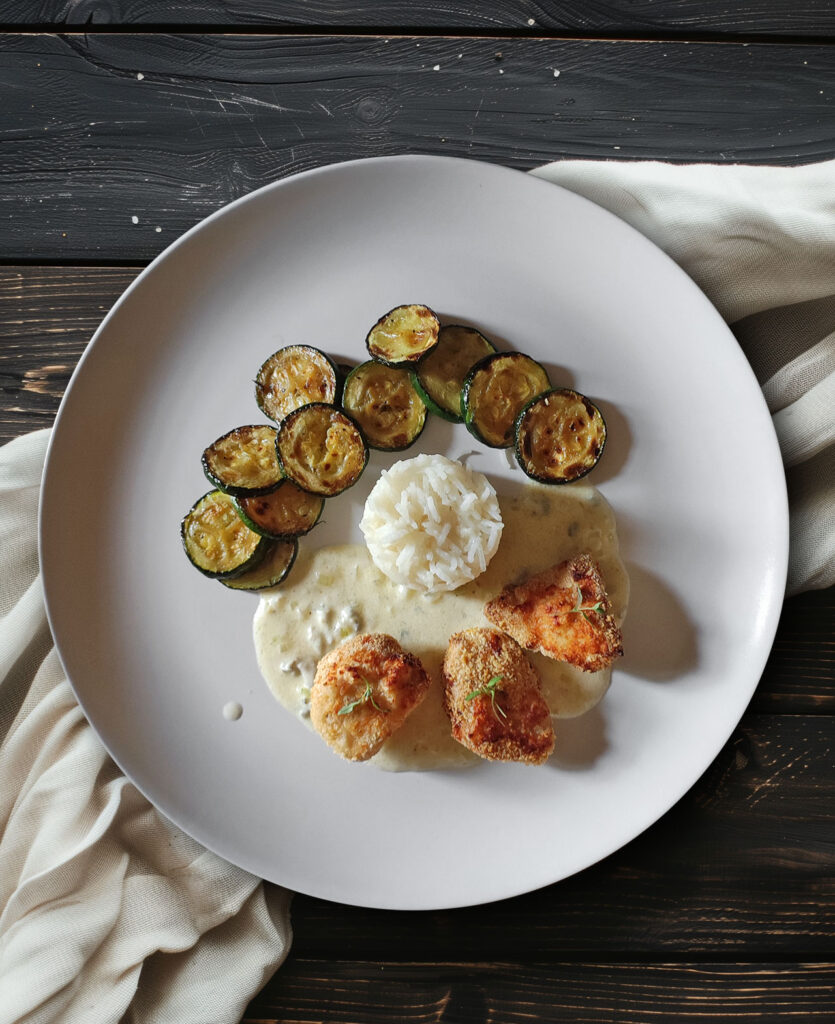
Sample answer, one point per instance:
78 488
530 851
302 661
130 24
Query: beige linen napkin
109 912
760 242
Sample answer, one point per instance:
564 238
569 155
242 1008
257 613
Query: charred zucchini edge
470 416
252 559
412 357
525 461
314 352
258 526
272 570
374 438
432 402
343 369
239 490
287 467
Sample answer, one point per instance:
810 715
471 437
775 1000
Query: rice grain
431 524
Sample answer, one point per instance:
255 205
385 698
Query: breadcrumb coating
507 719
362 693
563 613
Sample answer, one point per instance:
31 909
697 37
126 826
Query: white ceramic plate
154 650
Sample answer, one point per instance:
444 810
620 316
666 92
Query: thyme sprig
367 696
583 609
489 690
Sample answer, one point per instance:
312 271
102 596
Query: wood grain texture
800 673
101 129
752 17
47 317
742 866
356 991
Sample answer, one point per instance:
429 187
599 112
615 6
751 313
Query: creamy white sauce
232 711
334 592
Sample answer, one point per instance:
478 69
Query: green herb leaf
348 708
489 690
367 696
583 609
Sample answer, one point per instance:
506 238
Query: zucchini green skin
342 371
294 376
273 515
312 439
404 335
211 530
448 406
383 401
528 379
430 404
276 564
257 462
576 439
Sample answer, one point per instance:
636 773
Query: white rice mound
431 524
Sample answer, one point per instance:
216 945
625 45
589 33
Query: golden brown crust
553 613
511 722
383 682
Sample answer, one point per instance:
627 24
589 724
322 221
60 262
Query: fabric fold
760 242
109 912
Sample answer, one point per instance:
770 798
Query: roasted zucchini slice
495 391
404 335
384 403
274 567
216 539
439 377
243 462
321 449
286 512
559 436
292 377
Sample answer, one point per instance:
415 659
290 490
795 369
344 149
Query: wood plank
800 673
115 144
47 316
309 992
748 17
742 866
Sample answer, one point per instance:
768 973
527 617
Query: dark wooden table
124 122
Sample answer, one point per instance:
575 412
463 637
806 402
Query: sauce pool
335 592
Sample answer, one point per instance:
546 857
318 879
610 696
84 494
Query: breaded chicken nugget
563 613
362 693
493 697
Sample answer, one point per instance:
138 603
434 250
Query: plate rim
770 622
